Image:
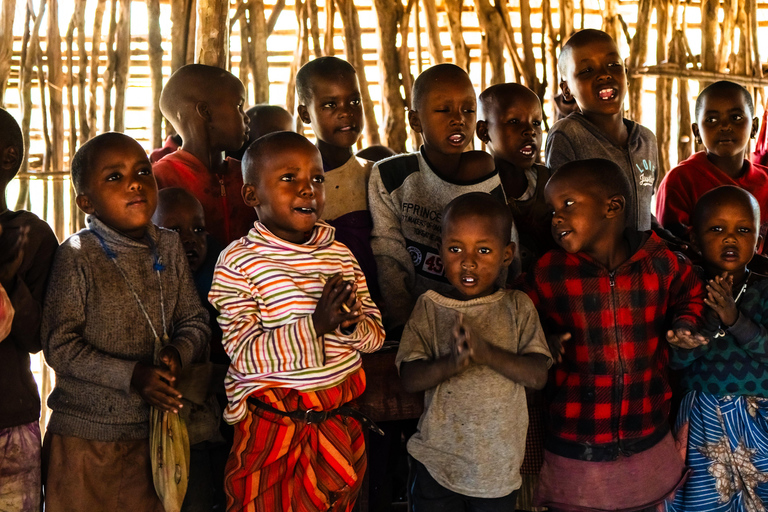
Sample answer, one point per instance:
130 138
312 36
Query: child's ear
202 110
84 203
250 195
10 158
755 127
482 131
616 206
696 132
303 114
759 244
414 121
567 96
509 253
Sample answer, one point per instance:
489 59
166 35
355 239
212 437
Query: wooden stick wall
84 77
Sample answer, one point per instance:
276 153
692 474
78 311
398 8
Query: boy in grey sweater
121 298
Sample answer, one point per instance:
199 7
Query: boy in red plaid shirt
615 291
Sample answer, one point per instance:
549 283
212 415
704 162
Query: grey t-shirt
471 436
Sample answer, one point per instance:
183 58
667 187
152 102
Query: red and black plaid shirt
611 388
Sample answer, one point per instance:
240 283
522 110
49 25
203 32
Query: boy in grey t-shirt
471 350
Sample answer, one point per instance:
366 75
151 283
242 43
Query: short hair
11 136
80 166
578 40
490 98
265 119
597 174
724 87
436 75
265 147
175 196
190 84
376 153
326 67
724 195
480 204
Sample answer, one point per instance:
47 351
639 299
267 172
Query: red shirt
686 183
227 217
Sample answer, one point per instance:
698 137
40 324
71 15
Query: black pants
427 495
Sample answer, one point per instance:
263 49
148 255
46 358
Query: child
295 311
205 106
407 193
264 119
27 246
329 100
511 127
471 350
725 121
120 288
592 72
180 211
722 417
616 291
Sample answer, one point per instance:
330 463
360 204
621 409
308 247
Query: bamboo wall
70 70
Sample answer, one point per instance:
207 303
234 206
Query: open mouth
560 235
730 254
457 138
528 150
350 128
607 94
191 254
304 211
468 280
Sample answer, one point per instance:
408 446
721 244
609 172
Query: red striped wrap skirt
281 464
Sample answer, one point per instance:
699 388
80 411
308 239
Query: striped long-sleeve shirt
266 289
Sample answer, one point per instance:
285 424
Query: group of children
276 267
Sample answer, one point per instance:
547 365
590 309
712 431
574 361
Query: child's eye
454 249
513 121
716 229
329 105
114 176
286 177
469 110
738 117
584 71
198 231
536 123
319 178
710 120
484 250
568 202
355 103
745 230
147 171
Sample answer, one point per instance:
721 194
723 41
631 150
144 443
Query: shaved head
502 95
434 77
727 194
173 198
480 204
578 40
264 148
10 137
724 88
600 176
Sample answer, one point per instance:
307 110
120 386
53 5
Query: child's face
335 110
724 124
474 255
188 220
288 193
728 237
596 78
228 124
512 131
446 117
120 189
578 213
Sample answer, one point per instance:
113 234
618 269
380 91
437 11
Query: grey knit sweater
93 331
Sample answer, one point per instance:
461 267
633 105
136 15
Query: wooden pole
354 51
277 9
109 73
314 28
389 14
258 51
25 71
7 16
82 71
155 55
709 10
529 61
55 88
638 50
433 32
493 30
330 14
726 31
551 47
212 34
417 35
685 136
70 38
93 80
566 19
123 56
453 9
300 57
246 59
182 28
663 90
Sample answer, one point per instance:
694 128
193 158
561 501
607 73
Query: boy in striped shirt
295 312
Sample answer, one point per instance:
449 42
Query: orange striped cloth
280 464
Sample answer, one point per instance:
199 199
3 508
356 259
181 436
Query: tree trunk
389 13
109 73
93 80
182 30
123 63
314 28
7 15
433 32
82 71
212 34
493 30
25 81
330 11
453 9
258 52
155 53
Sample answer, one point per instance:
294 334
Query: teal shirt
737 363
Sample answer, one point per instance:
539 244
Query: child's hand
154 385
170 361
685 338
720 299
330 313
555 342
461 353
352 305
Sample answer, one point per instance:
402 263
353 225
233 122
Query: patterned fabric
279 464
20 485
737 363
227 217
266 289
612 387
727 448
